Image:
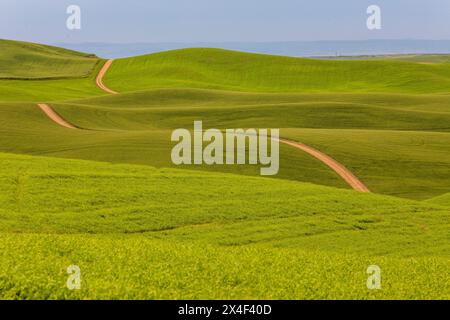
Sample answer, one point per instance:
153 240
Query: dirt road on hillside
340 169
101 74
55 117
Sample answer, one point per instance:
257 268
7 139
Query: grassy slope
145 120
39 135
50 90
47 90
409 164
392 155
23 60
421 58
221 69
443 200
175 108
34 72
166 236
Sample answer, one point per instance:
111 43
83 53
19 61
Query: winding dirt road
55 116
340 169
101 74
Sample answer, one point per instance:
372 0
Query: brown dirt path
55 116
101 74
340 169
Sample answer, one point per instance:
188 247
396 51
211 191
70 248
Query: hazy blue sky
222 20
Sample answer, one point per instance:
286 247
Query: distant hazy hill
299 48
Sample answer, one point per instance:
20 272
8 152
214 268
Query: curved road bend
101 74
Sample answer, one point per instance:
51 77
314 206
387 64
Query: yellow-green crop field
108 199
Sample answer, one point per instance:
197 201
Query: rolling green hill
396 143
173 108
402 151
385 139
139 228
35 72
23 60
228 70
399 155
48 90
114 142
139 232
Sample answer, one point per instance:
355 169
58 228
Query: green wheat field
109 199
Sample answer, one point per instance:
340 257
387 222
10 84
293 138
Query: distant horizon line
298 48
243 42
228 41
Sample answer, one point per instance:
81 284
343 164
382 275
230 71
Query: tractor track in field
337 167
